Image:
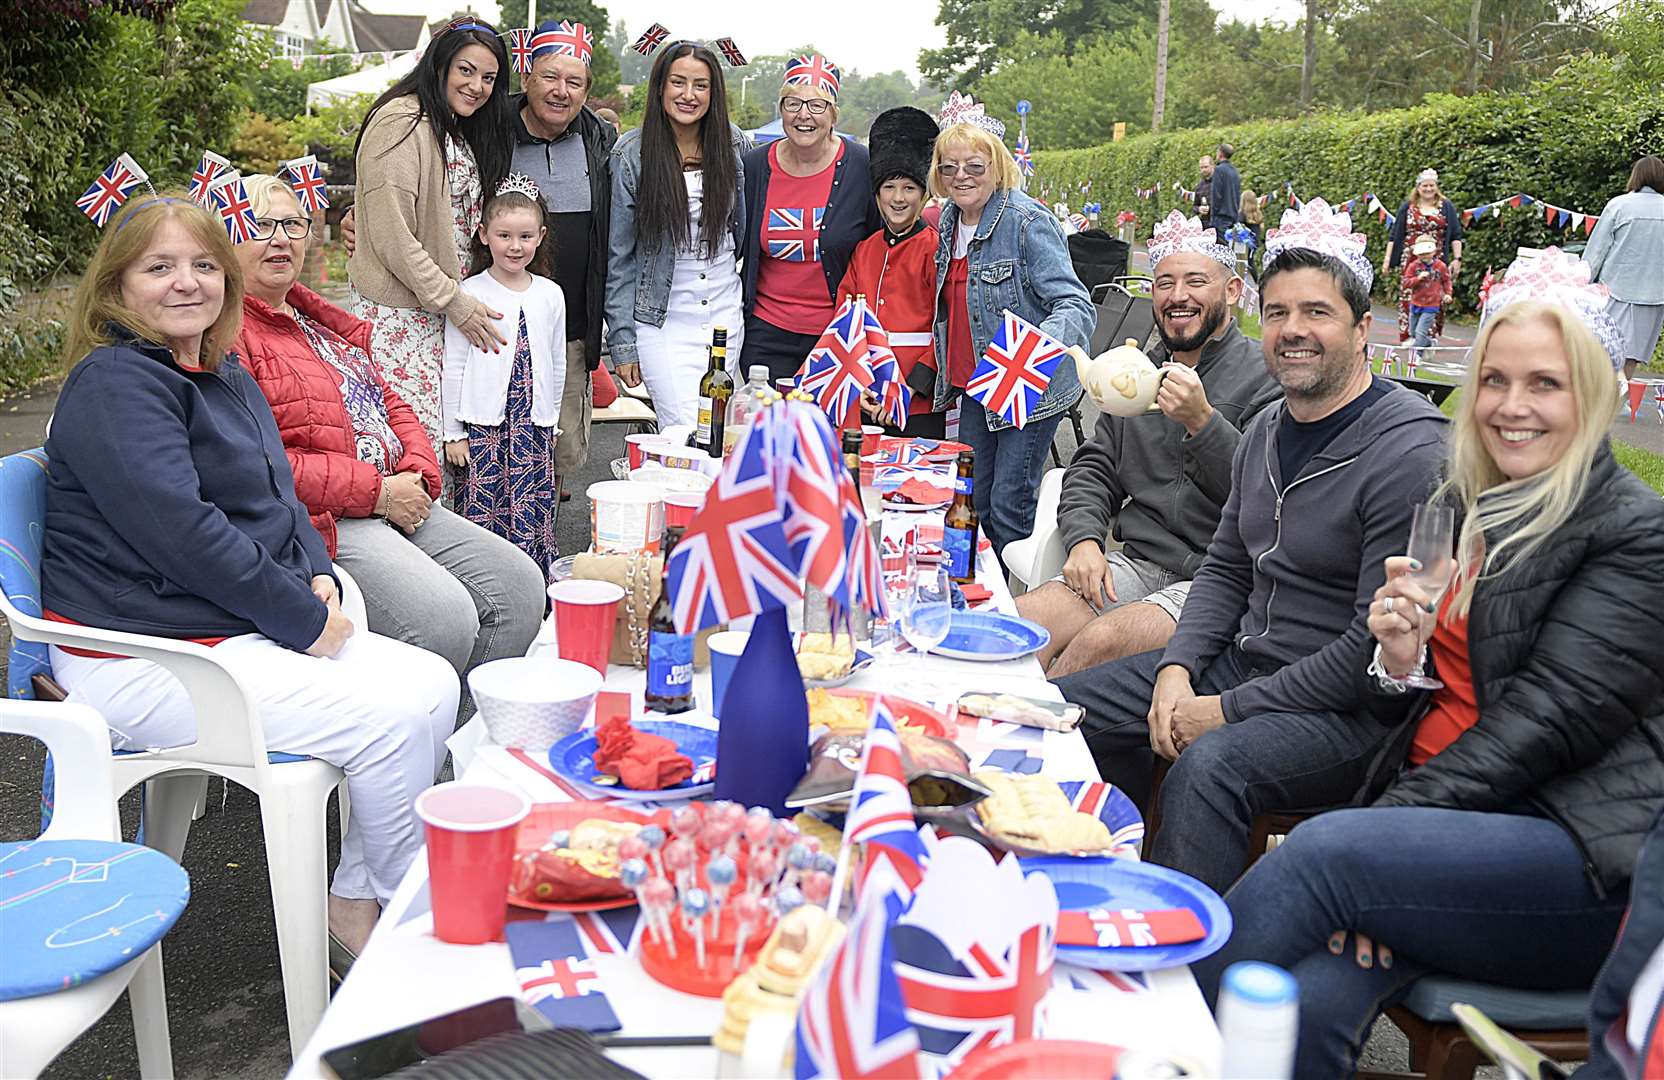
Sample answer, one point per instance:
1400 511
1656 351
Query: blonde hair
1522 515
1250 208
1438 194
98 304
978 140
261 187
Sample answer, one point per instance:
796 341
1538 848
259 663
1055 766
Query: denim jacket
1626 249
638 276
1018 259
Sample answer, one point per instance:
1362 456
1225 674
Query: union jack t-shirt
792 291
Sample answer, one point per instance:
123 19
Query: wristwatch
1384 682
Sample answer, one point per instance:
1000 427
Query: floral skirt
408 345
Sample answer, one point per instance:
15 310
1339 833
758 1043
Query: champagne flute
1432 545
928 612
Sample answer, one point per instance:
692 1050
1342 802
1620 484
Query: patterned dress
409 343
509 487
1417 224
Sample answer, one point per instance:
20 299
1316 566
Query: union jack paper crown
1178 233
1316 227
1556 277
815 71
519 43
964 109
563 38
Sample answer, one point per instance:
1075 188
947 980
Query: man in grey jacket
1254 698
1155 482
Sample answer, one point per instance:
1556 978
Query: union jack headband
469 22
656 35
563 38
816 71
146 204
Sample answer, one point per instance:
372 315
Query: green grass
1643 463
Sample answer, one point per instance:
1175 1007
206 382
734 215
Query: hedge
1571 141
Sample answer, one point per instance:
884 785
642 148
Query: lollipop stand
682 972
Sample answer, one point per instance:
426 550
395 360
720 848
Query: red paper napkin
975 593
642 762
923 492
1126 928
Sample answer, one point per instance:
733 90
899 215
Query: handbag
637 573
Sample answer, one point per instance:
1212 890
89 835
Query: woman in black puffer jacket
1502 851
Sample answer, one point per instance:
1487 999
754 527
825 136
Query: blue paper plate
574 758
989 635
1111 806
1083 884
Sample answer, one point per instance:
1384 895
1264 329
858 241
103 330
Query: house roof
267 12
386 33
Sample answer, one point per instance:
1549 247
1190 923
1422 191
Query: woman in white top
677 207
500 408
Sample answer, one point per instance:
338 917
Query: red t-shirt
961 362
791 283
1455 708
94 654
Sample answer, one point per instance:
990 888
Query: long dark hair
487 132
542 263
662 201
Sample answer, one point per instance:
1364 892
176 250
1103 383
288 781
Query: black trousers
782 350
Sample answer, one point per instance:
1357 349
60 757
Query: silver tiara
521 184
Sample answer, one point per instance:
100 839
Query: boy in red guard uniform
895 267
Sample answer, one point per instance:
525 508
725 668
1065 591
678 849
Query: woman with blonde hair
1425 213
1000 250
171 510
1516 797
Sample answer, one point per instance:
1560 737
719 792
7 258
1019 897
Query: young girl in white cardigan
500 407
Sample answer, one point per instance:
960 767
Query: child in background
1427 281
500 408
1250 214
895 267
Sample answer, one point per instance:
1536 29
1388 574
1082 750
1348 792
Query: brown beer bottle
852 455
959 528
715 389
669 654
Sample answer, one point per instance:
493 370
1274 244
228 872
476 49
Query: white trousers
380 710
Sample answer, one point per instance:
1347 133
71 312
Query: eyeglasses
947 170
295 228
813 106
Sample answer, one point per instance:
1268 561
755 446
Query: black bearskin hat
899 144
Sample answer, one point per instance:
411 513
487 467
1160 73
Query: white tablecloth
406 975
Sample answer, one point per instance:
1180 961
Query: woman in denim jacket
1000 250
678 205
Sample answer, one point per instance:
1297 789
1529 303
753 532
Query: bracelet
1384 682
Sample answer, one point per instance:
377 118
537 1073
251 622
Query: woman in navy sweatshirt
171 510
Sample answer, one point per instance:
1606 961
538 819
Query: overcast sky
867 35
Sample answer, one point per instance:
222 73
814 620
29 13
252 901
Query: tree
277 86
603 62
261 142
1308 63
1164 21
980 31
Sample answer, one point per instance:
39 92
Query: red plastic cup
680 506
870 434
585 612
635 444
470 834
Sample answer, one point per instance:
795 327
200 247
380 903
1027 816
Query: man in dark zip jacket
1254 698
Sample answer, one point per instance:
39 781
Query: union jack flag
837 369
730 52
565 38
1015 370
308 184
555 976
881 813
734 559
207 171
958 1007
111 189
817 71
1079 978
789 239
1025 159
230 200
519 43
1095 797
810 506
853 1022
866 562
894 395
650 39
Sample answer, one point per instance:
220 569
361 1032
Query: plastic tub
625 516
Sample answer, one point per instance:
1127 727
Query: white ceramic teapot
1122 381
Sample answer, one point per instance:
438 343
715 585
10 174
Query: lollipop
560 838
678 859
747 911
713 837
695 903
658 896
817 886
798 859
631 847
758 827
785 834
720 872
653 837
685 822
764 865
825 863
786 899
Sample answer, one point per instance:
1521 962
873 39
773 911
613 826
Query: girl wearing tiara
500 408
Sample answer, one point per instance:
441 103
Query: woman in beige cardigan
430 146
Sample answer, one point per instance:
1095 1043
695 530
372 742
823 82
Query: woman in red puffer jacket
364 466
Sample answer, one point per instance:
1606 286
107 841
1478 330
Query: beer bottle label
704 435
669 664
965 485
959 552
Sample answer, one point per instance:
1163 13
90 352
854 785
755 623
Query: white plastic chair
34 1030
1039 556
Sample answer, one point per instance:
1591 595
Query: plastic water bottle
746 403
1259 1021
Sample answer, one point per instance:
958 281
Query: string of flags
359 58
1556 217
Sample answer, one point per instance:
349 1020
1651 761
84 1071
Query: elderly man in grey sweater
1156 482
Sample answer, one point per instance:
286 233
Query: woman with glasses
1000 251
365 468
429 147
677 210
809 201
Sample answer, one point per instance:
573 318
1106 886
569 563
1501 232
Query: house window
290 46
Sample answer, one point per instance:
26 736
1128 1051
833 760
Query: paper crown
519 184
1178 233
964 109
1315 227
563 38
1427 174
1556 277
815 70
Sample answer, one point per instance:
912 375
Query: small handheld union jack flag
565 38
853 1022
815 71
1015 370
731 54
651 39
881 814
894 395
209 169
837 369
308 184
230 200
1024 157
111 189
519 44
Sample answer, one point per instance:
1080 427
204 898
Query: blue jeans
1009 465
1499 898
1422 320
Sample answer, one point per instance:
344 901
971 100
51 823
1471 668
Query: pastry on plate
1032 811
822 657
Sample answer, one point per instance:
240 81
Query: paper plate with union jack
1120 885
1103 801
574 759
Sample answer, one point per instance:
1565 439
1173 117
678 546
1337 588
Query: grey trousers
450 587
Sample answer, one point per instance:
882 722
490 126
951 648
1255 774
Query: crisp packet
938 773
1027 711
